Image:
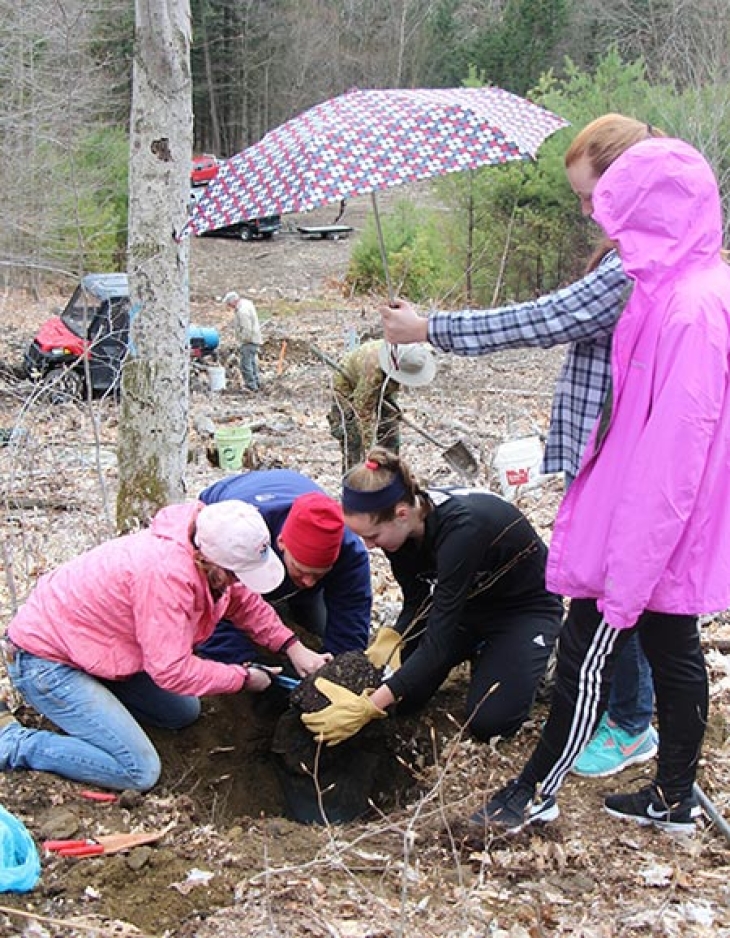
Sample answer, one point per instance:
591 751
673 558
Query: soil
232 860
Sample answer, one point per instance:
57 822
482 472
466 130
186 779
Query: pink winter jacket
646 524
139 603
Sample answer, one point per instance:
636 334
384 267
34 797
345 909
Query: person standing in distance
248 335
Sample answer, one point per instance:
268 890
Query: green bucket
232 443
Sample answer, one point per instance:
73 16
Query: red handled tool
96 846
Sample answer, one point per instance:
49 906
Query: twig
61 923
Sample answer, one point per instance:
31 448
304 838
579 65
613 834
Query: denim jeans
631 701
104 745
250 365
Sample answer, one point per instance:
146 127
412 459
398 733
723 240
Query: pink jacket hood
140 603
661 202
646 524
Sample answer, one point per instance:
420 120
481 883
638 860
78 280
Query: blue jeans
631 701
250 365
104 745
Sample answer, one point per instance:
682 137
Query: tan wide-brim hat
413 365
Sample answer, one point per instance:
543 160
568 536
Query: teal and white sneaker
612 749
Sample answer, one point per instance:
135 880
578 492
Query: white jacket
246 323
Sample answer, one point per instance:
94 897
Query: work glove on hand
385 649
345 716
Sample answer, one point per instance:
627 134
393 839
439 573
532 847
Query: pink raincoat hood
646 524
660 201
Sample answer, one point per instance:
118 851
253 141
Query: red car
205 167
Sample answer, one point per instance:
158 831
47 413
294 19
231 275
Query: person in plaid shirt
581 315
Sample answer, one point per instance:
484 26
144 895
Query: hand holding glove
385 649
345 716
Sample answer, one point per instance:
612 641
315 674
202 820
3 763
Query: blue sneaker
612 749
513 808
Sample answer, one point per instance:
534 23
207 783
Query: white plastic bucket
518 465
232 442
217 377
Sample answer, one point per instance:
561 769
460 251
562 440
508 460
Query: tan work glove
345 716
385 648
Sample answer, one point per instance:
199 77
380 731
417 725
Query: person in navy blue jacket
327 588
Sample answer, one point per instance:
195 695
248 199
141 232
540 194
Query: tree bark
153 430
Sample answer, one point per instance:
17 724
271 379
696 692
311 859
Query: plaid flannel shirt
583 315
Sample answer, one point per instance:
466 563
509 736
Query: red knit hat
313 530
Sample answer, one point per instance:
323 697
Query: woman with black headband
472 572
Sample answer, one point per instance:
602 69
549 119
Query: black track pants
587 650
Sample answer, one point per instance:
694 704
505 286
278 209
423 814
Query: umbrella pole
381 242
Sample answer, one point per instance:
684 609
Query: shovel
458 455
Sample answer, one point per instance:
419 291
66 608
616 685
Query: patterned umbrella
365 141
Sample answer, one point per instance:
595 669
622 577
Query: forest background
65 74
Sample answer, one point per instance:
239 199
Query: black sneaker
513 808
649 807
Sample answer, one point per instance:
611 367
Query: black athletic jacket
479 556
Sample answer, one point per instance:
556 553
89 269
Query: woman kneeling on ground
472 572
108 639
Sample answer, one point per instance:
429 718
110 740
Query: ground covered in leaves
230 861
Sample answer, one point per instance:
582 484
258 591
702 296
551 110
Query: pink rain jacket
646 524
139 603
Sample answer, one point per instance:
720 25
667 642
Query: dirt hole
244 758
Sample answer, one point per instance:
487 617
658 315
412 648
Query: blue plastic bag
20 866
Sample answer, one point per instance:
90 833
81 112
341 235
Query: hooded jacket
646 524
140 603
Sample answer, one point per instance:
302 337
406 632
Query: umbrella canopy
367 140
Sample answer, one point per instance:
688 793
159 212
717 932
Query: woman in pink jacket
107 639
642 538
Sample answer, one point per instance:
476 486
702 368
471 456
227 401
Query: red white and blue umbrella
368 140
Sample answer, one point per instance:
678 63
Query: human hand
345 716
259 677
385 648
306 661
402 323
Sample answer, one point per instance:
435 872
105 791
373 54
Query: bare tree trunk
215 127
152 447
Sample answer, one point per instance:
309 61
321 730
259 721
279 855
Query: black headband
356 502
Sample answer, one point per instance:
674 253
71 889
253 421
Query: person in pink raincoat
108 639
642 538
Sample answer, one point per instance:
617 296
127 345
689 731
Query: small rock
139 857
59 823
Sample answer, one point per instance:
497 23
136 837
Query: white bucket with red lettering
518 464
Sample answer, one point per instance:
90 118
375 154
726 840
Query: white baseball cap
231 297
233 534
